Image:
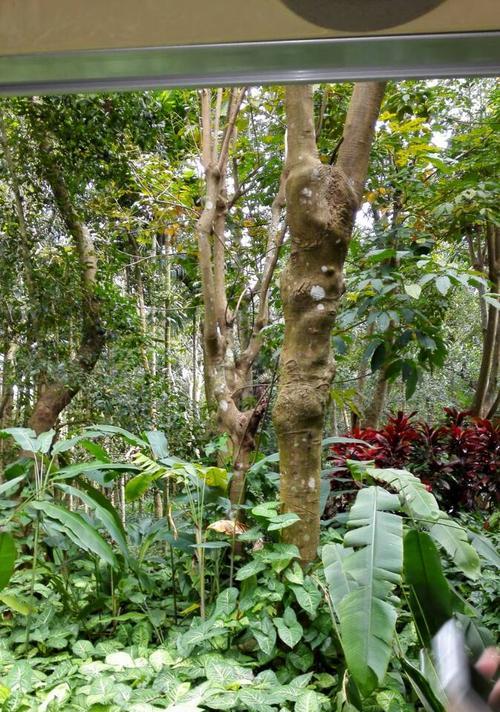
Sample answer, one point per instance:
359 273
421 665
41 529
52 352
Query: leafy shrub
457 459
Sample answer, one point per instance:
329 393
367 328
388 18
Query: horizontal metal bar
324 60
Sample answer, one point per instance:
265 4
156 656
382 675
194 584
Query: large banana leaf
419 503
421 506
78 530
453 539
361 584
430 596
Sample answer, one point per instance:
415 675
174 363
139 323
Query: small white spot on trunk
312 483
307 192
306 537
317 292
209 205
320 307
324 268
224 405
219 332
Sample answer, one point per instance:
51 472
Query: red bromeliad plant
457 459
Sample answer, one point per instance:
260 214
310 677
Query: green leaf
158 443
417 501
308 596
113 430
410 377
453 538
421 687
413 290
282 521
289 629
443 284
226 603
139 484
16 603
11 484
485 549
253 567
309 701
104 511
78 530
264 633
24 437
338 578
430 596
68 473
375 534
7 558
267 510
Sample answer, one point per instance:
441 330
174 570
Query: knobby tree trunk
226 369
321 205
56 395
487 385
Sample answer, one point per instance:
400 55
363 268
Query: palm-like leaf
361 584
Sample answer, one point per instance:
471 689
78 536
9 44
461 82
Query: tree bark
57 395
487 385
321 205
376 406
227 372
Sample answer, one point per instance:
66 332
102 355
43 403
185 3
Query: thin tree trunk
376 406
226 373
321 206
57 394
488 372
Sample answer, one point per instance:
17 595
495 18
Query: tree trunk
321 205
56 394
376 406
226 372
488 374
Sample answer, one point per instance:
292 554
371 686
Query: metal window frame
249 63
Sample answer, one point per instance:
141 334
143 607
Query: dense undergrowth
107 610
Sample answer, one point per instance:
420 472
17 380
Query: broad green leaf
421 687
308 596
282 521
226 603
289 629
113 430
16 603
309 701
7 558
83 649
57 696
418 502
253 567
20 677
80 531
44 441
264 633
6 487
443 284
339 580
453 539
158 443
268 510
485 549
376 535
24 437
413 290
295 573
103 510
138 485
430 596
68 473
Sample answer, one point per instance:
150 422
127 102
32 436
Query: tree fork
321 206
